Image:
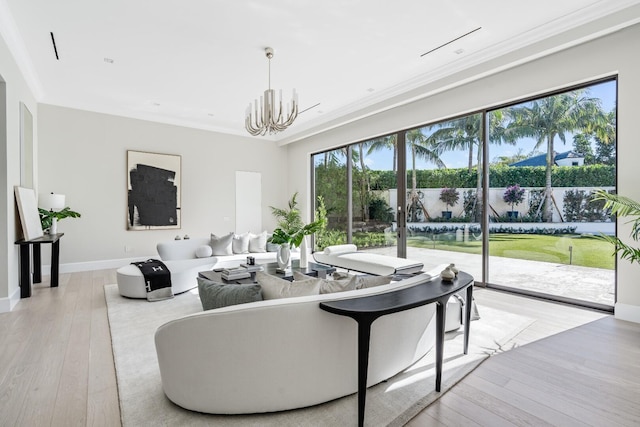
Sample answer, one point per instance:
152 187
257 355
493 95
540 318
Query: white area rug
394 402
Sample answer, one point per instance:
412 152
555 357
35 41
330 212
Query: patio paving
570 281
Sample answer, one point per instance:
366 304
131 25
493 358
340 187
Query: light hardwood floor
570 367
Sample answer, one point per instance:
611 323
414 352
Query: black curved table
366 310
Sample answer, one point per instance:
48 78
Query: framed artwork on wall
153 196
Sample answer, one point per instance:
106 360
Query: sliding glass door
443 183
554 152
504 193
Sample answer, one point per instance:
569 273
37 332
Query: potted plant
622 206
48 218
450 197
514 195
291 231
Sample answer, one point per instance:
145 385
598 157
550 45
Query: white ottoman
131 282
184 275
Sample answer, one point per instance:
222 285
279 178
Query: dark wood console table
367 309
25 261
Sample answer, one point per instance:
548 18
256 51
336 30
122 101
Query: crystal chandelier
271 119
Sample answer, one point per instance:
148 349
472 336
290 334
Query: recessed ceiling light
458 52
108 60
371 89
155 104
210 114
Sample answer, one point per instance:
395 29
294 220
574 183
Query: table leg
55 263
25 271
441 308
37 264
467 324
364 334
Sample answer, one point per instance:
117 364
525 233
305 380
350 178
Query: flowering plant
449 196
514 195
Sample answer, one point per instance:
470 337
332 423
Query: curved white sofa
180 258
283 354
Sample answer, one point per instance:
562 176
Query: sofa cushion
327 286
258 242
216 295
204 251
274 287
221 245
240 243
363 281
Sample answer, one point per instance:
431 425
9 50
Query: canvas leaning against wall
153 183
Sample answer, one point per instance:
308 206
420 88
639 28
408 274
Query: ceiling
198 63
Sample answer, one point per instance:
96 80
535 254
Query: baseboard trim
8 303
75 267
628 312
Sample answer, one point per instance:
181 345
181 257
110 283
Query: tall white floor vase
304 261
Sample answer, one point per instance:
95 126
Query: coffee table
313 269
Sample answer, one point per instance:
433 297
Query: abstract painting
153 182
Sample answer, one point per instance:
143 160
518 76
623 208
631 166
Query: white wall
17 91
83 155
606 56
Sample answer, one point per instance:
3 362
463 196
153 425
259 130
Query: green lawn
587 251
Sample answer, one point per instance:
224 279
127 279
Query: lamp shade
52 202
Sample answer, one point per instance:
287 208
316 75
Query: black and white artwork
153 182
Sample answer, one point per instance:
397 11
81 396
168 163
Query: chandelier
271 119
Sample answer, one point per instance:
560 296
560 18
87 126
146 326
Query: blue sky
457 159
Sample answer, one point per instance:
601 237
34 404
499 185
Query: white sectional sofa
282 354
180 258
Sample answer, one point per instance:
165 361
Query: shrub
449 196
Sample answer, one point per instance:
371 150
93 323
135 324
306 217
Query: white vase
54 226
283 256
304 261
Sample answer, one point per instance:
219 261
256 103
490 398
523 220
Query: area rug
391 403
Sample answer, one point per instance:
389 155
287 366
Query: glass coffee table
313 269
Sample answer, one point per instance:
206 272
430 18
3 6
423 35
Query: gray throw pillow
274 287
221 245
327 286
363 281
216 295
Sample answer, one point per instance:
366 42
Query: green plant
449 196
622 206
46 217
291 229
514 195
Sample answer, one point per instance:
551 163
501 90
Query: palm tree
385 143
423 147
466 133
553 117
364 181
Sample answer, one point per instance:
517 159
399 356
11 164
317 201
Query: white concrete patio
570 281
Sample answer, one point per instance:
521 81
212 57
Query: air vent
451 41
55 49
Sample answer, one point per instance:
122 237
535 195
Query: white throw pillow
240 243
340 249
221 245
258 242
275 287
204 251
